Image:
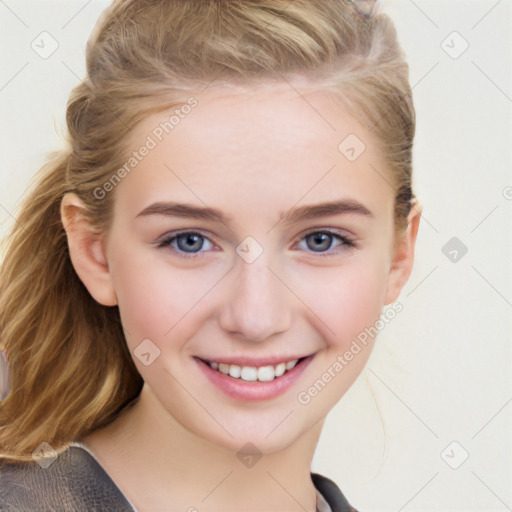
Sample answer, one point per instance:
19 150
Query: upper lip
253 361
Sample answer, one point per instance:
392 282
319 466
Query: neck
155 461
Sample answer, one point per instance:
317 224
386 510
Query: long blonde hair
70 368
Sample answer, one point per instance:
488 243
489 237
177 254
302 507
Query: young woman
183 290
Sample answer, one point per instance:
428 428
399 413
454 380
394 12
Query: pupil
192 242
323 239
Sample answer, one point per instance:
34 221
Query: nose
259 304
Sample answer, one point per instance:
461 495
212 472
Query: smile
254 373
251 380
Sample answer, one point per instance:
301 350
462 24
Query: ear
403 258
87 251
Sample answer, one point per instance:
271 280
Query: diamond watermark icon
5 376
249 249
45 455
454 250
454 455
146 352
364 8
351 147
454 45
45 45
249 455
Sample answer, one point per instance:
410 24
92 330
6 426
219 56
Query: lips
253 380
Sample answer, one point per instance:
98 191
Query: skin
254 156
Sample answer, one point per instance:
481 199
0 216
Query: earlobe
86 251
403 259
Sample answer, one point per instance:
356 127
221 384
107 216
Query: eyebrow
294 215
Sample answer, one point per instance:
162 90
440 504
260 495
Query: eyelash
346 241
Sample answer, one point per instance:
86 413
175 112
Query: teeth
279 369
224 368
266 373
249 373
252 373
291 364
235 371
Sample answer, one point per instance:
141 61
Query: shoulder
73 481
332 494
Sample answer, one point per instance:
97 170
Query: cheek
156 299
346 299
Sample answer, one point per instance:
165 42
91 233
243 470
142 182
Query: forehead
275 143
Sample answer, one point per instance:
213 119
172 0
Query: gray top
76 482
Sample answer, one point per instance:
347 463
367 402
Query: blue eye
189 244
186 242
322 241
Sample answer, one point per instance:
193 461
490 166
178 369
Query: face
249 241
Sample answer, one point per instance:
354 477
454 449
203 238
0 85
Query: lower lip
254 391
